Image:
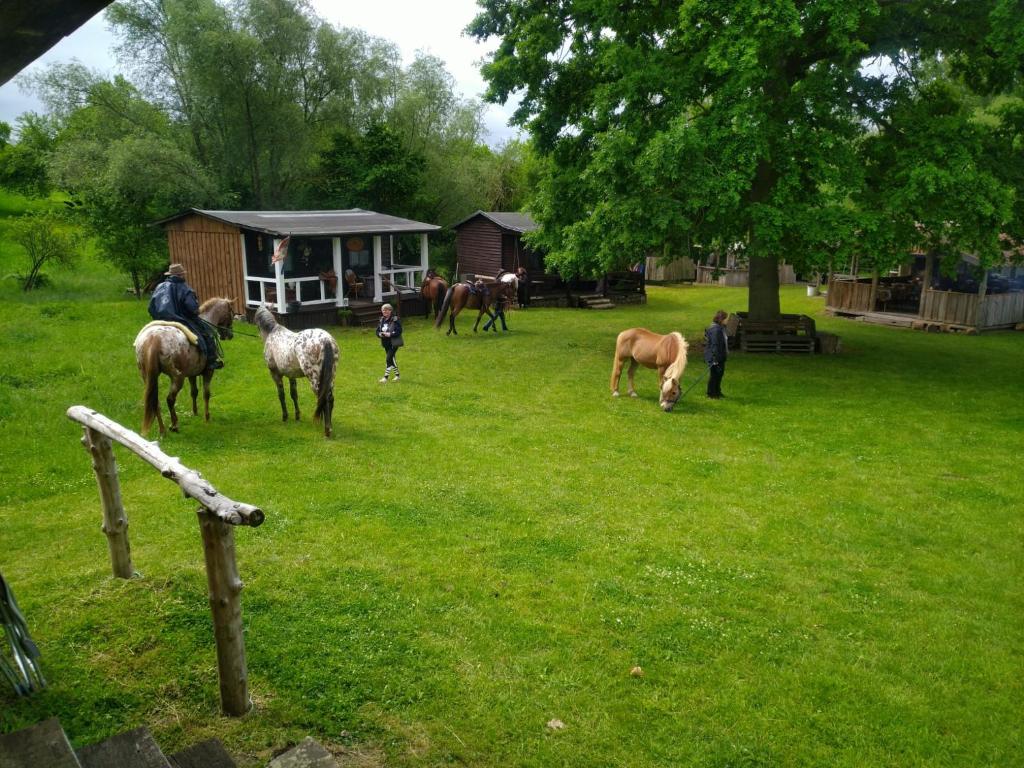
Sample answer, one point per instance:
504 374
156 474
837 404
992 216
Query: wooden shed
916 297
490 241
331 258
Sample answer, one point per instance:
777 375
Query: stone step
42 744
132 749
307 754
205 754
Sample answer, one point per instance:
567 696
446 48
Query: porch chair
354 285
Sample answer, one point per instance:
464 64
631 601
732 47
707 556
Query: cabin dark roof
515 222
346 222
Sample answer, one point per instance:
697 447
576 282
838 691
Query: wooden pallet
776 342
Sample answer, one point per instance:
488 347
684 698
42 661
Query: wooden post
979 318
926 280
115 521
874 290
226 606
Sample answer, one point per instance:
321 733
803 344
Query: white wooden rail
217 516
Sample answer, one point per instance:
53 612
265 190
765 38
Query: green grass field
823 569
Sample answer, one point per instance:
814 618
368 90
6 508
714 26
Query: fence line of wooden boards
998 310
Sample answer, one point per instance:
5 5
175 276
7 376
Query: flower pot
812 289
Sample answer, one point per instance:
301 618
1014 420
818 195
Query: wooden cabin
915 296
333 259
489 241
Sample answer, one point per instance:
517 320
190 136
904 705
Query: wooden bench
790 333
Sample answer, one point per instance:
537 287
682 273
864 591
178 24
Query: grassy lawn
823 569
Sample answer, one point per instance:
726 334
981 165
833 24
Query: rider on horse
174 300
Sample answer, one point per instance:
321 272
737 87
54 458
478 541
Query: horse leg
194 390
295 397
177 382
480 315
453 312
279 381
616 375
207 378
633 365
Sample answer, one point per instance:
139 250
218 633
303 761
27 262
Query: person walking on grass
716 350
389 331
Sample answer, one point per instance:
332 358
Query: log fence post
218 515
115 521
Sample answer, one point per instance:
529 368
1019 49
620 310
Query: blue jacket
716 344
175 300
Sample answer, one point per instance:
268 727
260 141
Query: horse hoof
615 394
174 429
633 394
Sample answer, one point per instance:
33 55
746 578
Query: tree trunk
763 292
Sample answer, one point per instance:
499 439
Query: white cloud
435 28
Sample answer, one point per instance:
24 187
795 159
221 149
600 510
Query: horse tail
149 367
444 307
325 396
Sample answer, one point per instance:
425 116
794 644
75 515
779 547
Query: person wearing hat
175 301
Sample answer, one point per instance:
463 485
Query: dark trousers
715 374
390 352
500 313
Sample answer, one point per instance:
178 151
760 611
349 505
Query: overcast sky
435 28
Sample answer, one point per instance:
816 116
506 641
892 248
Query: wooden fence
217 516
848 295
997 310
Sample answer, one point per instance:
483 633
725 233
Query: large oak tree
785 128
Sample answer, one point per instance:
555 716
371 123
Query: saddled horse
164 348
651 350
311 354
433 290
481 296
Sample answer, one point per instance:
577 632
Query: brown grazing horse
162 348
651 350
433 290
459 297
312 354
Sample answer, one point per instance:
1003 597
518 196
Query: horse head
220 314
265 320
670 392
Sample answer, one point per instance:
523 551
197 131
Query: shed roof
351 221
515 222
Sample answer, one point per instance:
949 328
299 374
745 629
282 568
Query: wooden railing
849 295
217 516
997 310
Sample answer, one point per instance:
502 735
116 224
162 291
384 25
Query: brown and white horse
162 348
311 354
651 350
460 297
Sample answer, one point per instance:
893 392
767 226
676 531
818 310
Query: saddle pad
189 334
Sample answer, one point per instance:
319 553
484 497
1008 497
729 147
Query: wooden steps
43 744
595 301
132 749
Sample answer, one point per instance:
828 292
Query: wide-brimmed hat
176 269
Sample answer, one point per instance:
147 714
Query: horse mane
265 320
210 303
675 368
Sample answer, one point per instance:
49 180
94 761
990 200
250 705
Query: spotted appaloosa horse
164 348
651 350
311 354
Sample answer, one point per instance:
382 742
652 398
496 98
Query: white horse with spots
311 354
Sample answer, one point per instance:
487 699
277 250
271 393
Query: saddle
189 333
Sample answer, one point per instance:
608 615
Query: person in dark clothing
716 350
175 301
389 331
523 292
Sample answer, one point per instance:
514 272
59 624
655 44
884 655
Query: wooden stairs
595 301
45 745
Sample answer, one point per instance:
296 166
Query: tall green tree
742 123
